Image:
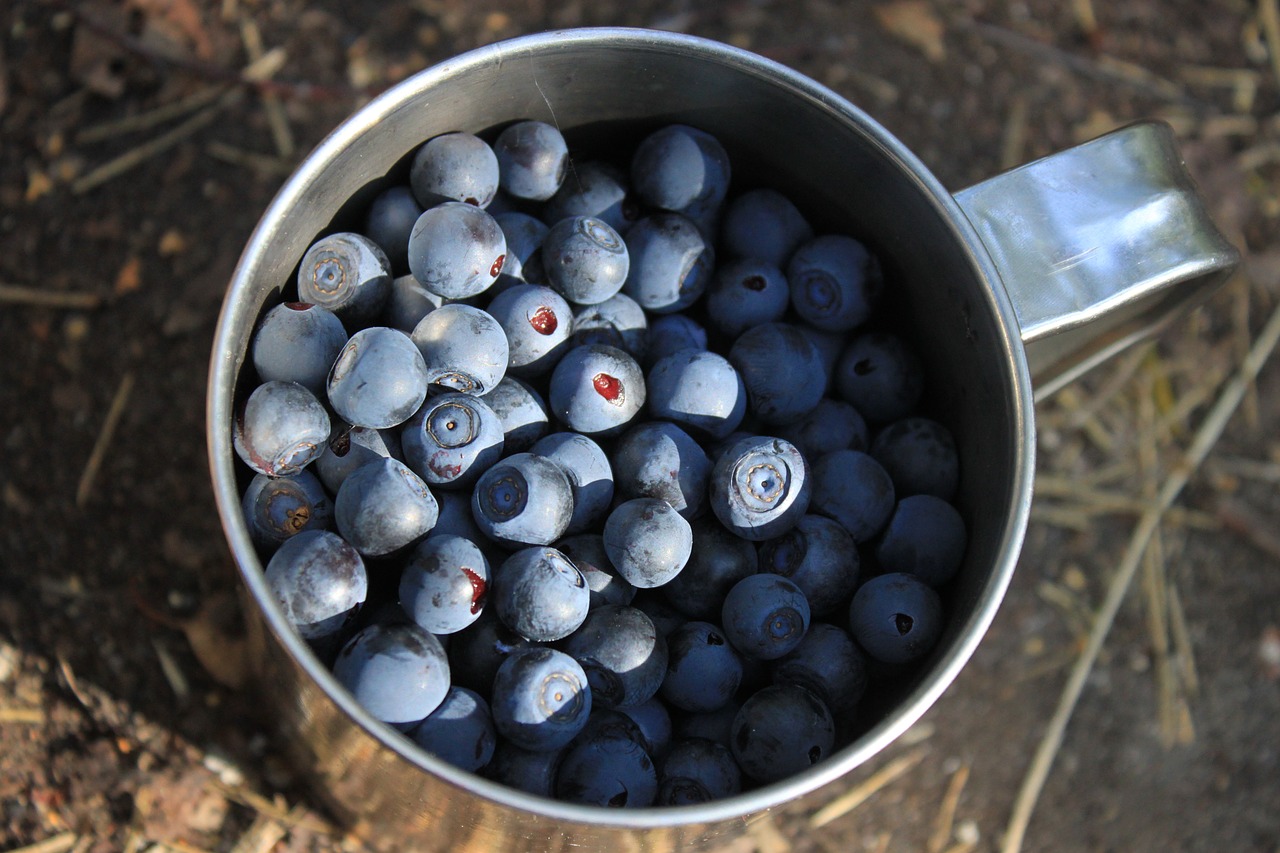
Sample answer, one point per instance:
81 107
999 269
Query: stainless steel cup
1011 288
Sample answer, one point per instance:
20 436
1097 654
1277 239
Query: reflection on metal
604 88
1099 247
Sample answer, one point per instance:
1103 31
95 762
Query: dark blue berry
460 731
351 447
593 189
277 508
760 487
541 699
463 347
829 664
855 490
765 616
408 303
654 724
672 333
624 656
523 500
745 293
384 507
347 274
820 557
525 770
647 541
586 551
524 235
718 561
698 771
701 391
523 413
925 537
780 731
379 379
782 371
671 263
657 459
456 250
476 652
397 671
617 322
597 390
607 768
454 167
920 456
589 472
452 439
532 160
280 429
832 425
445 584
835 283
897 618
764 224
537 323
389 222
319 581
682 169
297 342
540 594
880 375
703 669
585 260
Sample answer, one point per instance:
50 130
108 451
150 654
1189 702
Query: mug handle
1099 247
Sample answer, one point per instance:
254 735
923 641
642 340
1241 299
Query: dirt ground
129 180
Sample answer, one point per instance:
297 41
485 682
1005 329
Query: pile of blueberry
594 478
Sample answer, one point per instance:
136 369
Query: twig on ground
946 819
848 802
37 296
60 843
251 37
73 685
1247 469
1239 517
263 163
153 117
1205 438
1182 641
1269 18
105 435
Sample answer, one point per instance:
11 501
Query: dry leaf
129 278
217 641
914 22
172 242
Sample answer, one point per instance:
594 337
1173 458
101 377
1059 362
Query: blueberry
384 507
765 616
594 189
585 260
537 323
350 447
280 429
297 342
389 221
832 425
829 664
654 724
541 700
456 250
719 560
445 584
835 282
586 551
925 537
855 490
683 169
408 303
830 346
589 472
523 500
616 322
540 594
672 333
647 541
657 459
523 413
780 731
460 731
532 160
897 618
379 379
524 235
714 725
597 390
523 769
347 274
476 652
698 771
880 375
764 224
920 456
700 391
319 581
454 518
452 439
397 671
760 487
782 371
454 167
276 508
654 604
703 669
819 556
463 347
624 656
607 768
746 292
671 263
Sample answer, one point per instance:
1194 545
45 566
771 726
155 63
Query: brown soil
121 725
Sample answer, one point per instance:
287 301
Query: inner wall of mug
781 131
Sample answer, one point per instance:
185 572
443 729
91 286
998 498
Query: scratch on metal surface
1074 261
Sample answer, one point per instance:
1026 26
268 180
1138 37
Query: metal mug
1010 288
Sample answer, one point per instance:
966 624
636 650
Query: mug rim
224 370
